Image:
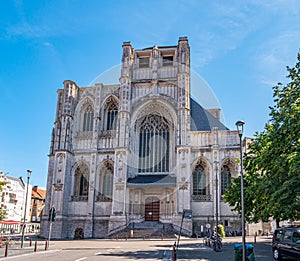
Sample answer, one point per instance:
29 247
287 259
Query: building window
144 62
225 179
199 181
154 144
107 186
81 181
111 113
88 119
167 60
105 183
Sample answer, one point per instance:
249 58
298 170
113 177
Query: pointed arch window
225 179
105 184
199 181
154 144
88 116
81 183
111 113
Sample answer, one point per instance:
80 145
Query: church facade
139 150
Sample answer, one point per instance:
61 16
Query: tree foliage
2 211
272 162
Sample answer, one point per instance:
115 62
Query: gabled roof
202 120
39 193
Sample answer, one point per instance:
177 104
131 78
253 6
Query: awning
10 222
152 180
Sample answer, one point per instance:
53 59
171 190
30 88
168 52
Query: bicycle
217 243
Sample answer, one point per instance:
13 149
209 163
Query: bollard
117 237
126 237
35 246
6 250
162 236
255 237
174 252
46 245
30 242
196 235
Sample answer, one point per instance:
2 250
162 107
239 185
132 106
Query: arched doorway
152 206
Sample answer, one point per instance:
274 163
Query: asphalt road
111 250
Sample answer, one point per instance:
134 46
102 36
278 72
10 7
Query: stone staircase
146 230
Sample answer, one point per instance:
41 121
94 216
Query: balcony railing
201 197
79 198
103 198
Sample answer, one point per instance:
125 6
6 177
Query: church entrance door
152 207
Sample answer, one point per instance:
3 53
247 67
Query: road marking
81 258
97 254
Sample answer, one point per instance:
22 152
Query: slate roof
152 180
202 120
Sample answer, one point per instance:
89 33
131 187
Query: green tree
2 211
272 163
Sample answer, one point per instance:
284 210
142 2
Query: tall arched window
111 113
105 183
225 179
88 116
81 188
107 186
199 181
154 144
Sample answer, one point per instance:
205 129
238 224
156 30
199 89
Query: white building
13 198
139 150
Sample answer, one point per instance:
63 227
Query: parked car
286 243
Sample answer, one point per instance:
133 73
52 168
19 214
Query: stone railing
107 133
79 198
142 73
103 198
84 134
167 72
201 197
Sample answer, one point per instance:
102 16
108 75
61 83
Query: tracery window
81 188
106 183
88 116
111 113
199 181
225 179
154 144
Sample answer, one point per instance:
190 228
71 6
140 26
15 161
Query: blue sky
239 48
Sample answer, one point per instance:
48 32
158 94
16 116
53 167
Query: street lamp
24 221
240 129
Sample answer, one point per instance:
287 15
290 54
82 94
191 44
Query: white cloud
275 55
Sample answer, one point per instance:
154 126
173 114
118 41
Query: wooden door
152 209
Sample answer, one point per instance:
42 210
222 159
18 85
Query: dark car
286 243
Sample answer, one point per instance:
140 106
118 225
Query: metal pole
50 228
217 211
180 230
24 221
242 200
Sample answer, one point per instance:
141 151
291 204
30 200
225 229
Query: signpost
187 213
51 218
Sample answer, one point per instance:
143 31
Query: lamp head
29 172
240 127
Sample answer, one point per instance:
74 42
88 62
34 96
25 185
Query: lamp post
240 129
217 198
24 221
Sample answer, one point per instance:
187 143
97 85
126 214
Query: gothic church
139 150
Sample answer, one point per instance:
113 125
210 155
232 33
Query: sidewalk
14 248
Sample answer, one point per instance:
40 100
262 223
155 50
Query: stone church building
139 150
